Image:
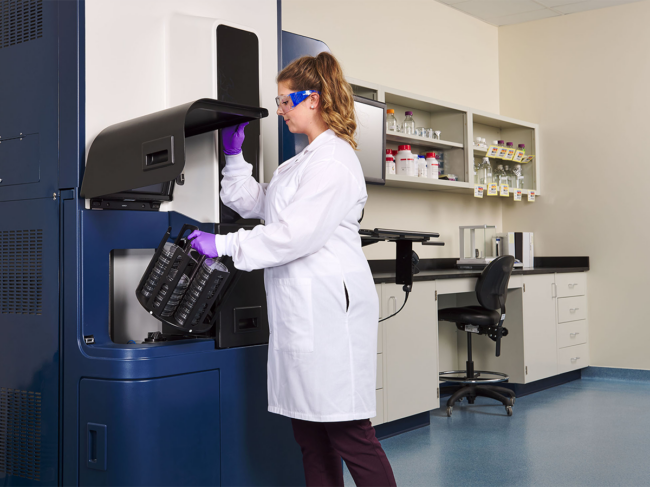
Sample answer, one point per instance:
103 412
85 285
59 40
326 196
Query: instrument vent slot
21 272
20 433
20 21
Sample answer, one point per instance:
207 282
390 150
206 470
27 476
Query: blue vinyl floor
588 432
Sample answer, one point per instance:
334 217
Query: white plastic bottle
390 162
413 170
404 160
422 167
432 162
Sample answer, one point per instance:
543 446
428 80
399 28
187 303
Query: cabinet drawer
571 333
571 284
572 358
379 396
571 309
380 371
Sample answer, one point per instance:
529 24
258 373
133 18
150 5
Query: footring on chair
477 377
477 385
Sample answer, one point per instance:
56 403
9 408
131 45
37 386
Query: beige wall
585 79
422 47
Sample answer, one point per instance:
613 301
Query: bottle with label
432 162
408 127
390 162
422 167
413 171
501 154
441 163
520 153
392 125
404 161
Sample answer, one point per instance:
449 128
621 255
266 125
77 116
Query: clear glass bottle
392 125
485 172
519 176
477 169
408 127
501 143
500 175
522 147
510 177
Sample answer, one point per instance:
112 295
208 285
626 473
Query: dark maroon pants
324 444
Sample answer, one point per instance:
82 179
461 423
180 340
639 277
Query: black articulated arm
500 325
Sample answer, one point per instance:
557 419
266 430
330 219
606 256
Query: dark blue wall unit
29 341
166 436
293 47
29 61
72 413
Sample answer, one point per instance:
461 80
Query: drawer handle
575 359
573 335
571 286
573 310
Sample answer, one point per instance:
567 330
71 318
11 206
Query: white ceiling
506 12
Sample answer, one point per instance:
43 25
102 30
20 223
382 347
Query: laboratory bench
546 318
383 271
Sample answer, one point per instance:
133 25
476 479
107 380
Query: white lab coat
322 361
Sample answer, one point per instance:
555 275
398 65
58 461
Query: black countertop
383 271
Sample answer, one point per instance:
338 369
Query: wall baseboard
610 373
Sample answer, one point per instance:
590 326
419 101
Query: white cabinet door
410 350
540 336
380 336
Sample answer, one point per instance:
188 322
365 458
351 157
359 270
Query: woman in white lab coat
320 292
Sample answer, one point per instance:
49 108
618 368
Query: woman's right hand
233 138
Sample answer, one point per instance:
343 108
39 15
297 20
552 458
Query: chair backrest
492 285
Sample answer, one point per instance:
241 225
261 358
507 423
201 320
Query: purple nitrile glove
233 138
204 243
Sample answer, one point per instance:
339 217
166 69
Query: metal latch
89 339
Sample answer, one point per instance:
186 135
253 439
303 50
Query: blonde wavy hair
323 73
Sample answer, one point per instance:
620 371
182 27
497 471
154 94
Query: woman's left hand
204 243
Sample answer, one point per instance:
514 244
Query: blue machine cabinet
72 413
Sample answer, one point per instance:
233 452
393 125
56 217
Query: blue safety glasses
286 103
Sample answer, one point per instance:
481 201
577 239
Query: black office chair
487 319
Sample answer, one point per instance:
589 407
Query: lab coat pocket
293 322
283 196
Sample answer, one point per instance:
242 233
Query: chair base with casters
474 384
486 319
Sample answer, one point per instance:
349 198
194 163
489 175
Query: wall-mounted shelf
459 127
421 141
428 184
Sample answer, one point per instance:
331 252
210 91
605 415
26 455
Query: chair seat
470 315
